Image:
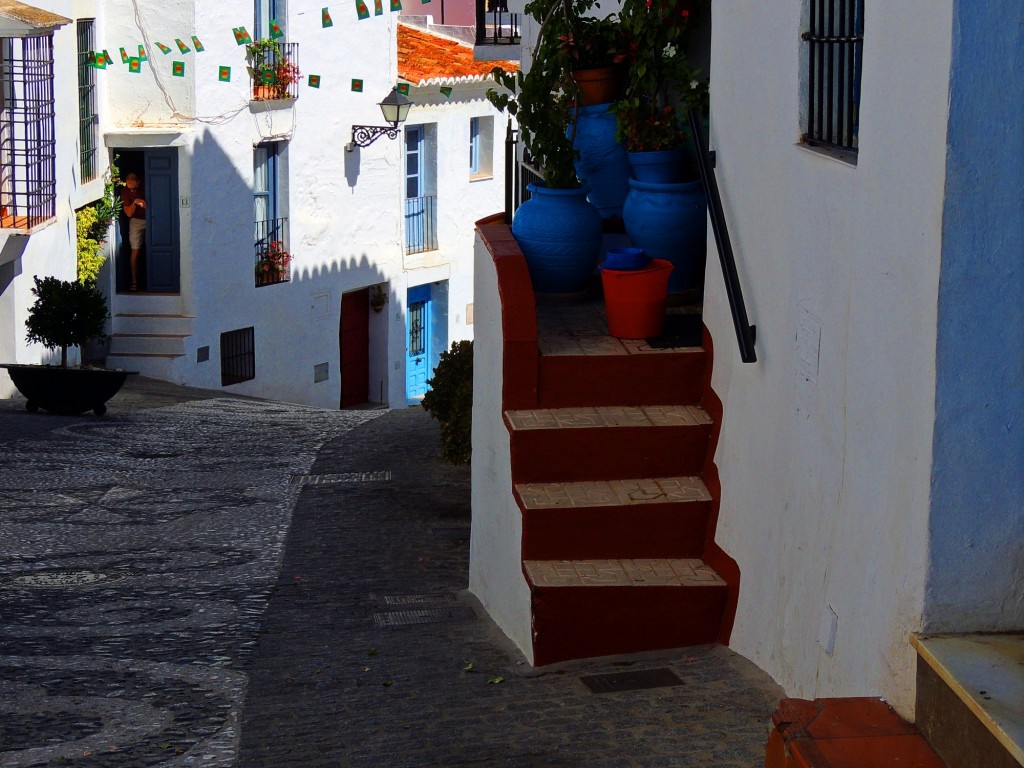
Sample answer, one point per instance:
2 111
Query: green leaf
496 680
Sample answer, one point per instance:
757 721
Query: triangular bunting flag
178 68
325 18
142 53
357 85
378 7
97 60
361 9
224 75
134 65
163 48
314 81
197 45
396 5
446 91
403 88
241 36
276 33
267 76
108 60
181 46
124 56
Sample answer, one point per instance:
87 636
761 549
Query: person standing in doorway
133 203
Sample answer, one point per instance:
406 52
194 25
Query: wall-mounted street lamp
395 107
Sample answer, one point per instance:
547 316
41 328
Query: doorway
159 267
354 342
417 342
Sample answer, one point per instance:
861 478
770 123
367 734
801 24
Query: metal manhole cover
425 616
615 682
63 579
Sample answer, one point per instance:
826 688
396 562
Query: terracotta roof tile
428 59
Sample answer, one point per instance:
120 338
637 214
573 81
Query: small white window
481 147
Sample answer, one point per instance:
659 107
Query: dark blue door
162 236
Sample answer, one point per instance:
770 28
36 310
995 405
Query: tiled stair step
607 443
646 518
601 370
970 698
146 344
585 608
845 733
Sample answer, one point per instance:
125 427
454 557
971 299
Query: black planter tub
67 391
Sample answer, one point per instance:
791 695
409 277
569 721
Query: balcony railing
273 260
518 175
495 25
274 70
421 224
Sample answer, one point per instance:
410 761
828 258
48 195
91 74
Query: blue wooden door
162 231
415 214
417 342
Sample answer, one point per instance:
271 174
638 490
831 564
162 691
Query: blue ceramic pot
559 233
664 166
669 221
602 162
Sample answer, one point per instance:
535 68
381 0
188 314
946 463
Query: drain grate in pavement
454 532
63 579
439 597
423 616
341 477
615 682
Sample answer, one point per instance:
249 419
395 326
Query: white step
172 345
136 324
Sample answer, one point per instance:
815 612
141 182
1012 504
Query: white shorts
136 233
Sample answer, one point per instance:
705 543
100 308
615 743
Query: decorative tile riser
582 533
583 622
652 379
609 453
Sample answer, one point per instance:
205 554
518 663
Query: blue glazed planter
664 166
669 221
559 233
602 161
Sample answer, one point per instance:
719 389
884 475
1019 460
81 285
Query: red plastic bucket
635 299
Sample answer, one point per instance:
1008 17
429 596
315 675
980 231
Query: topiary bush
450 401
65 314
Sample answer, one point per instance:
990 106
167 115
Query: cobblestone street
200 580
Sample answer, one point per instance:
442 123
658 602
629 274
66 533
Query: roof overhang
23 20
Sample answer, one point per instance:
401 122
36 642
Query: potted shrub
557 229
66 314
595 49
271 69
660 87
272 263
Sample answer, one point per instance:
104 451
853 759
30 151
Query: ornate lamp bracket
365 135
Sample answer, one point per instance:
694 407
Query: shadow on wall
221 268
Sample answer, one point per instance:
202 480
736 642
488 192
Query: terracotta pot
598 86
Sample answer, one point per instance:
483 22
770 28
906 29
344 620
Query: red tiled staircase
612 445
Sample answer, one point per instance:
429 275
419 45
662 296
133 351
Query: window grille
27 141
87 118
835 41
495 25
237 356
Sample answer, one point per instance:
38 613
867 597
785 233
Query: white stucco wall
825 450
345 209
495 551
51 249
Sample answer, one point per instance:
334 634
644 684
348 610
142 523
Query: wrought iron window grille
421 224
274 71
237 356
273 259
495 25
835 42
27 137
88 119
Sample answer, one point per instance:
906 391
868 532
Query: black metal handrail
518 175
745 332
